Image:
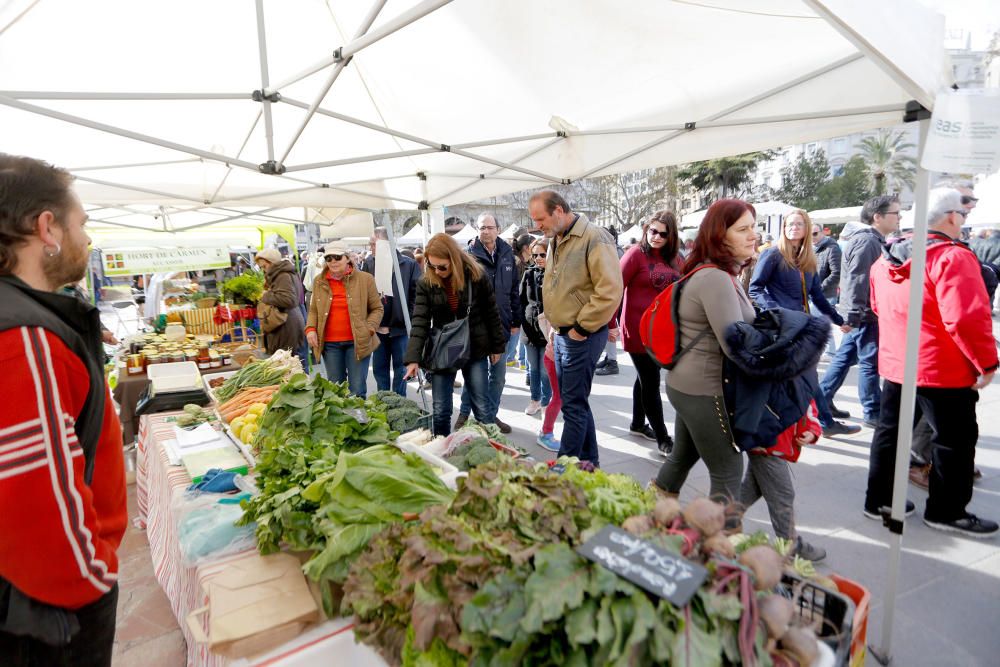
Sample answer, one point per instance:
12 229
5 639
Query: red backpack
660 328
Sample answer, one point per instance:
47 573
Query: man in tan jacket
580 293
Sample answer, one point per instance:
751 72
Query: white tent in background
692 220
465 234
508 234
769 208
987 211
412 238
633 232
836 216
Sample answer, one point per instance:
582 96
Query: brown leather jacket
363 305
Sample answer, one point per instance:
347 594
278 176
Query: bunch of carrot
241 402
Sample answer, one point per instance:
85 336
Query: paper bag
255 604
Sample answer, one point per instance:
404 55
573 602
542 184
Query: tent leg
883 653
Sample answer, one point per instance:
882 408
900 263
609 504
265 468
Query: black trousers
951 415
646 401
91 646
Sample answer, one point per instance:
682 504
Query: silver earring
49 253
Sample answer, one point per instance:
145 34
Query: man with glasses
497 258
863 246
957 358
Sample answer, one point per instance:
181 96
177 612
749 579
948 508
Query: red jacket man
62 477
957 356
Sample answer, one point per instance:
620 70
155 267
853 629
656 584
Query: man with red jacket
958 357
62 475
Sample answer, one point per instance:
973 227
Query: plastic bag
456 440
206 530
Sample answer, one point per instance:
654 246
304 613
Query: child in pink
546 439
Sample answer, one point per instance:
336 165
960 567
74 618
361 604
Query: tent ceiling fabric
618 81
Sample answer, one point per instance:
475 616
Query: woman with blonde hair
785 277
785 274
455 286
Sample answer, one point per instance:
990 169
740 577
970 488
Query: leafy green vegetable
614 496
473 453
244 288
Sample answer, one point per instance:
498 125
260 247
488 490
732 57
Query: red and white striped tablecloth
157 485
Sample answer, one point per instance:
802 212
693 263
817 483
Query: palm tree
723 177
886 161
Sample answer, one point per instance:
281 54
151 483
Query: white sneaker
533 408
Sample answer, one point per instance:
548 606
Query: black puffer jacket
828 259
769 376
532 305
431 310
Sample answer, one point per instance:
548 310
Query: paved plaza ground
949 592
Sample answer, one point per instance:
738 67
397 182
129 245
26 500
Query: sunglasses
656 232
439 268
334 257
815 234
538 254
967 199
964 214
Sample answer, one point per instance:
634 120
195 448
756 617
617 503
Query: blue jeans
538 379
341 365
511 353
859 346
389 355
497 380
443 386
522 351
575 365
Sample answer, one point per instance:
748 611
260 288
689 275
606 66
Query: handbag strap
468 297
805 297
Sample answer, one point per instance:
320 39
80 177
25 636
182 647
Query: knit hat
270 254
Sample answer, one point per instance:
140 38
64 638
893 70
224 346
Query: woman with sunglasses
451 277
346 307
531 333
647 268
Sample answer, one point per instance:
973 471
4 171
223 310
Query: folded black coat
769 376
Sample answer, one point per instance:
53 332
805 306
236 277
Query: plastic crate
834 611
862 600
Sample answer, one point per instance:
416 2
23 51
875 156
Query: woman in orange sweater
346 308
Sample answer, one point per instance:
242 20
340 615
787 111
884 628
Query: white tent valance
414 237
465 234
836 216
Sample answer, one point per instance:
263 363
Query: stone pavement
949 593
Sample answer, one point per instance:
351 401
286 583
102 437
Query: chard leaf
557 584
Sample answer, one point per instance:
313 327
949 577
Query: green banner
132 261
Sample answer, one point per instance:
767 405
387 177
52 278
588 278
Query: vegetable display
612 496
260 373
328 482
402 414
493 580
194 415
244 288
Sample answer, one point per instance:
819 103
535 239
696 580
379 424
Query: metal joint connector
271 167
690 126
423 206
915 111
259 96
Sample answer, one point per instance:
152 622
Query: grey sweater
711 298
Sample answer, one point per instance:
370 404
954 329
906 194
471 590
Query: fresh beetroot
801 644
765 563
708 517
720 545
776 612
638 525
666 510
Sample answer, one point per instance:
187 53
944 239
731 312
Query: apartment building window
839 145
837 168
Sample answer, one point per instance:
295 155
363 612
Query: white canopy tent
693 219
342 104
465 234
414 237
836 216
633 232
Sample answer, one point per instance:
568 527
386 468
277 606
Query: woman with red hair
711 301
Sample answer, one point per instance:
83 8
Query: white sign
964 137
132 261
383 267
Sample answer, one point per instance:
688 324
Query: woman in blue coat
785 274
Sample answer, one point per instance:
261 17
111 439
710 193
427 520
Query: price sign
658 571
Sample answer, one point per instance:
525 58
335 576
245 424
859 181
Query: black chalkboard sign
646 565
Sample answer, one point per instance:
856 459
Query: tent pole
366 25
859 111
110 129
425 213
348 50
134 164
243 146
364 158
506 140
58 95
134 188
485 177
262 48
914 318
521 158
400 287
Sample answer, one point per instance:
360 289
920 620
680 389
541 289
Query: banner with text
131 261
964 136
